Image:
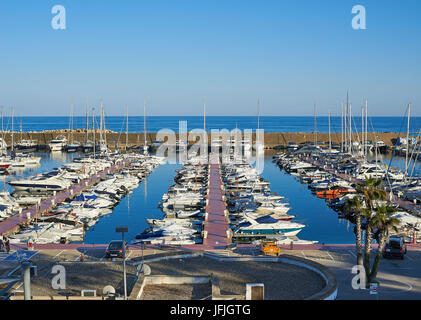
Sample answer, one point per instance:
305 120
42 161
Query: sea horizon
286 124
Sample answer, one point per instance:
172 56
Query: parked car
115 249
395 248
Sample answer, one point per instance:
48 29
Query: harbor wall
136 139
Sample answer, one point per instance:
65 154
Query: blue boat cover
266 219
244 224
83 197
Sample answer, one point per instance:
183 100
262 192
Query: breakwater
271 139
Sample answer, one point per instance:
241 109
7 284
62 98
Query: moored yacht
58 143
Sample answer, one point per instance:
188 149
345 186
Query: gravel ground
282 281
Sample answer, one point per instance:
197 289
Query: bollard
26 268
30 245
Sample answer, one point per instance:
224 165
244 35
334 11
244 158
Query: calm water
268 123
135 208
322 223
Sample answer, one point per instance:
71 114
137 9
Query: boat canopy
266 219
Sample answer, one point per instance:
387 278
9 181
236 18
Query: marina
149 195
210 150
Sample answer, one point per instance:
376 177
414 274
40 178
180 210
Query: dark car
395 248
115 249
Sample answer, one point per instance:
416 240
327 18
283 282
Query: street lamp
123 229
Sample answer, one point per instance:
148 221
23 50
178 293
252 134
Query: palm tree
372 191
355 206
384 222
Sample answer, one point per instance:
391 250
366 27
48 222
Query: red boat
5 164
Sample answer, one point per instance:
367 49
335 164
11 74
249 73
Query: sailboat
73 146
88 145
257 146
145 144
331 150
3 144
103 148
26 145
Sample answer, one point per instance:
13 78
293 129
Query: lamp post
123 229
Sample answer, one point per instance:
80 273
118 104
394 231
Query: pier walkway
12 224
216 225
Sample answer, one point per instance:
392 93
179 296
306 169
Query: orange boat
332 194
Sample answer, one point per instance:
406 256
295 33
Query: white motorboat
58 143
42 183
268 226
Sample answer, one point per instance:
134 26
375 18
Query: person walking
1 245
7 244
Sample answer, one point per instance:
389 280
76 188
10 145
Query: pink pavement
216 225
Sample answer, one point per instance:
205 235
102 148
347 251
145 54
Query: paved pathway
216 225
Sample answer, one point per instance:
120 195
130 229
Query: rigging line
416 146
356 131
381 157
112 135
417 156
336 133
395 145
375 140
121 130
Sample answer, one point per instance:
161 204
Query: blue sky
175 52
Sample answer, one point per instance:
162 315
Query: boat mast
350 128
362 131
407 141
258 113
144 126
12 147
87 122
330 140
366 127
204 115
100 126
103 125
93 128
71 121
346 126
342 127
127 126
315 126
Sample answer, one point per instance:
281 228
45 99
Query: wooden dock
216 226
12 225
